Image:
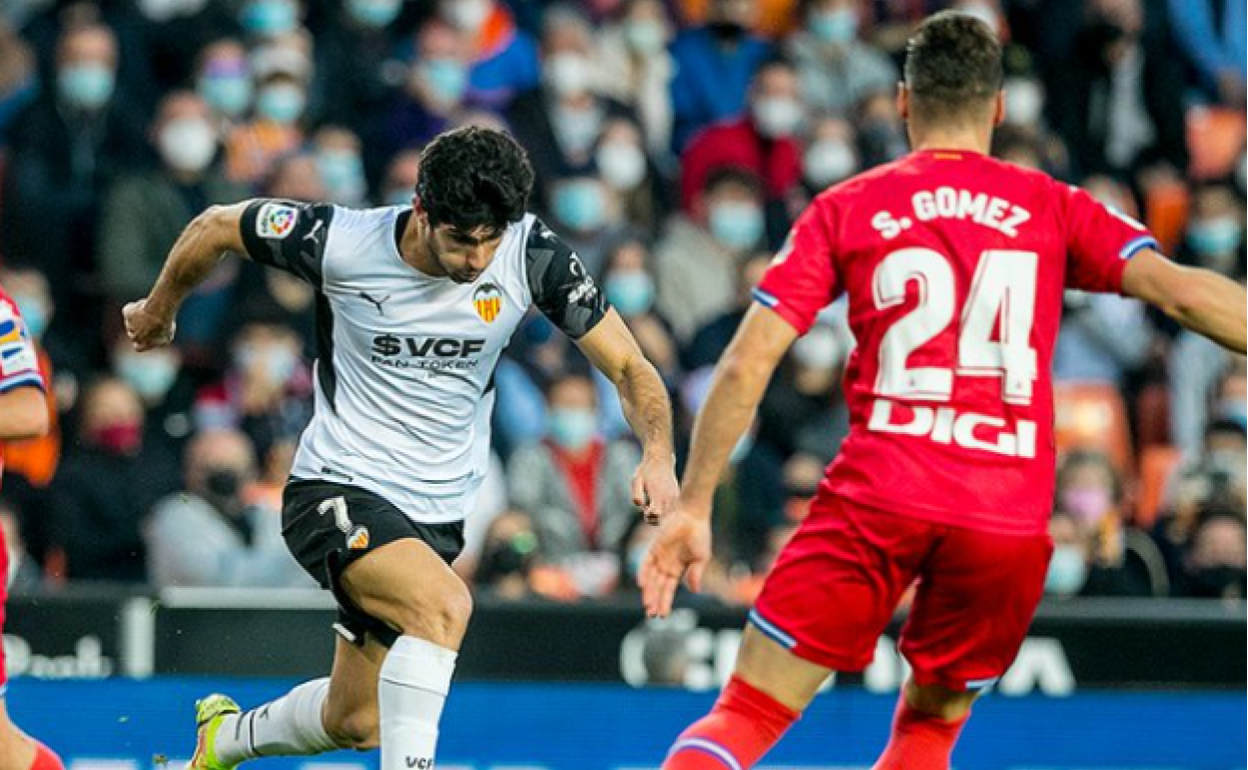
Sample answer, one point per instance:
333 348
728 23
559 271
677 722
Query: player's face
464 256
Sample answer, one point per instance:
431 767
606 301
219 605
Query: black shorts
327 526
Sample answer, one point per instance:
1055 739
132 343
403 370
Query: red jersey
19 363
954 264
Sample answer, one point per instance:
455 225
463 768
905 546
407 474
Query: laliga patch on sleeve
276 220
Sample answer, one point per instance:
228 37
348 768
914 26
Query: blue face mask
268 18
836 27
281 103
227 94
343 174
572 429
736 224
580 206
1067 571
1214 237
631 293
399 196
34 314
151 375
447 78
87 86
374 14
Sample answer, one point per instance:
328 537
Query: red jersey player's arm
23 413
737 386
1200 300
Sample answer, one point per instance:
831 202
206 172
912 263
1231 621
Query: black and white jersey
405 361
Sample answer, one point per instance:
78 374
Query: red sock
919 741
742 727
46 759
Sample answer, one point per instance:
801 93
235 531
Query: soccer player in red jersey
23 414
955 265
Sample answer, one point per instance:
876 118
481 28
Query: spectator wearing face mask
629 284
1214 563
341 167
837 69
105 486
66 148
145 211
588 213
266 20
508 557
434 92
559 124
266 390
1121 561
576 488
715 63
398 184
697 257
165 26
764 141
829 156
223 80
808 393
712 338
626 168
282 68
634 49
504 58
165 393
208 535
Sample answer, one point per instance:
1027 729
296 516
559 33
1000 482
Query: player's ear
903 100
998 109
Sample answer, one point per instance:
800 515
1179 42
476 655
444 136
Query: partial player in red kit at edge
23 414
955 265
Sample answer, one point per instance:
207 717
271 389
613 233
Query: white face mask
1024 102
187 144
818 349
828 162
777 116
467 15
622 165
568 74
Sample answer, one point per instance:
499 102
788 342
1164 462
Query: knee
357 729
440 615
941 702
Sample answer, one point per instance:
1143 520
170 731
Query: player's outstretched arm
683 546
1200 300
23 413
612 348
150 321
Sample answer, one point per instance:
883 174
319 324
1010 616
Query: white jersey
404 373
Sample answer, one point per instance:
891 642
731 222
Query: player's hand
145 328
682 547
655 490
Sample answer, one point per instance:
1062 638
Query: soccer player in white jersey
414 306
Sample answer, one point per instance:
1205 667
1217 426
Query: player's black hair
953 67
474 177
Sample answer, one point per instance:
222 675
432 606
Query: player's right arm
150 321
1201 300
800 283
284 234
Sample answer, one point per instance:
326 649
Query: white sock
415 678
290 725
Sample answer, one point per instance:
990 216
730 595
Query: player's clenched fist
682 547
655 490
145 328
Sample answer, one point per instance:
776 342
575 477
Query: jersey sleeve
561 287
19 363
802 278
1099 241
288 235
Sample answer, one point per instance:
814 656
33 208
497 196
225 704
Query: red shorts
836 585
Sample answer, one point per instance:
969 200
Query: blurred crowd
674 142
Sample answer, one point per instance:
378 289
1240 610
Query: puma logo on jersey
377 302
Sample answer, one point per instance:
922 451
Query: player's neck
414 248
960 139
